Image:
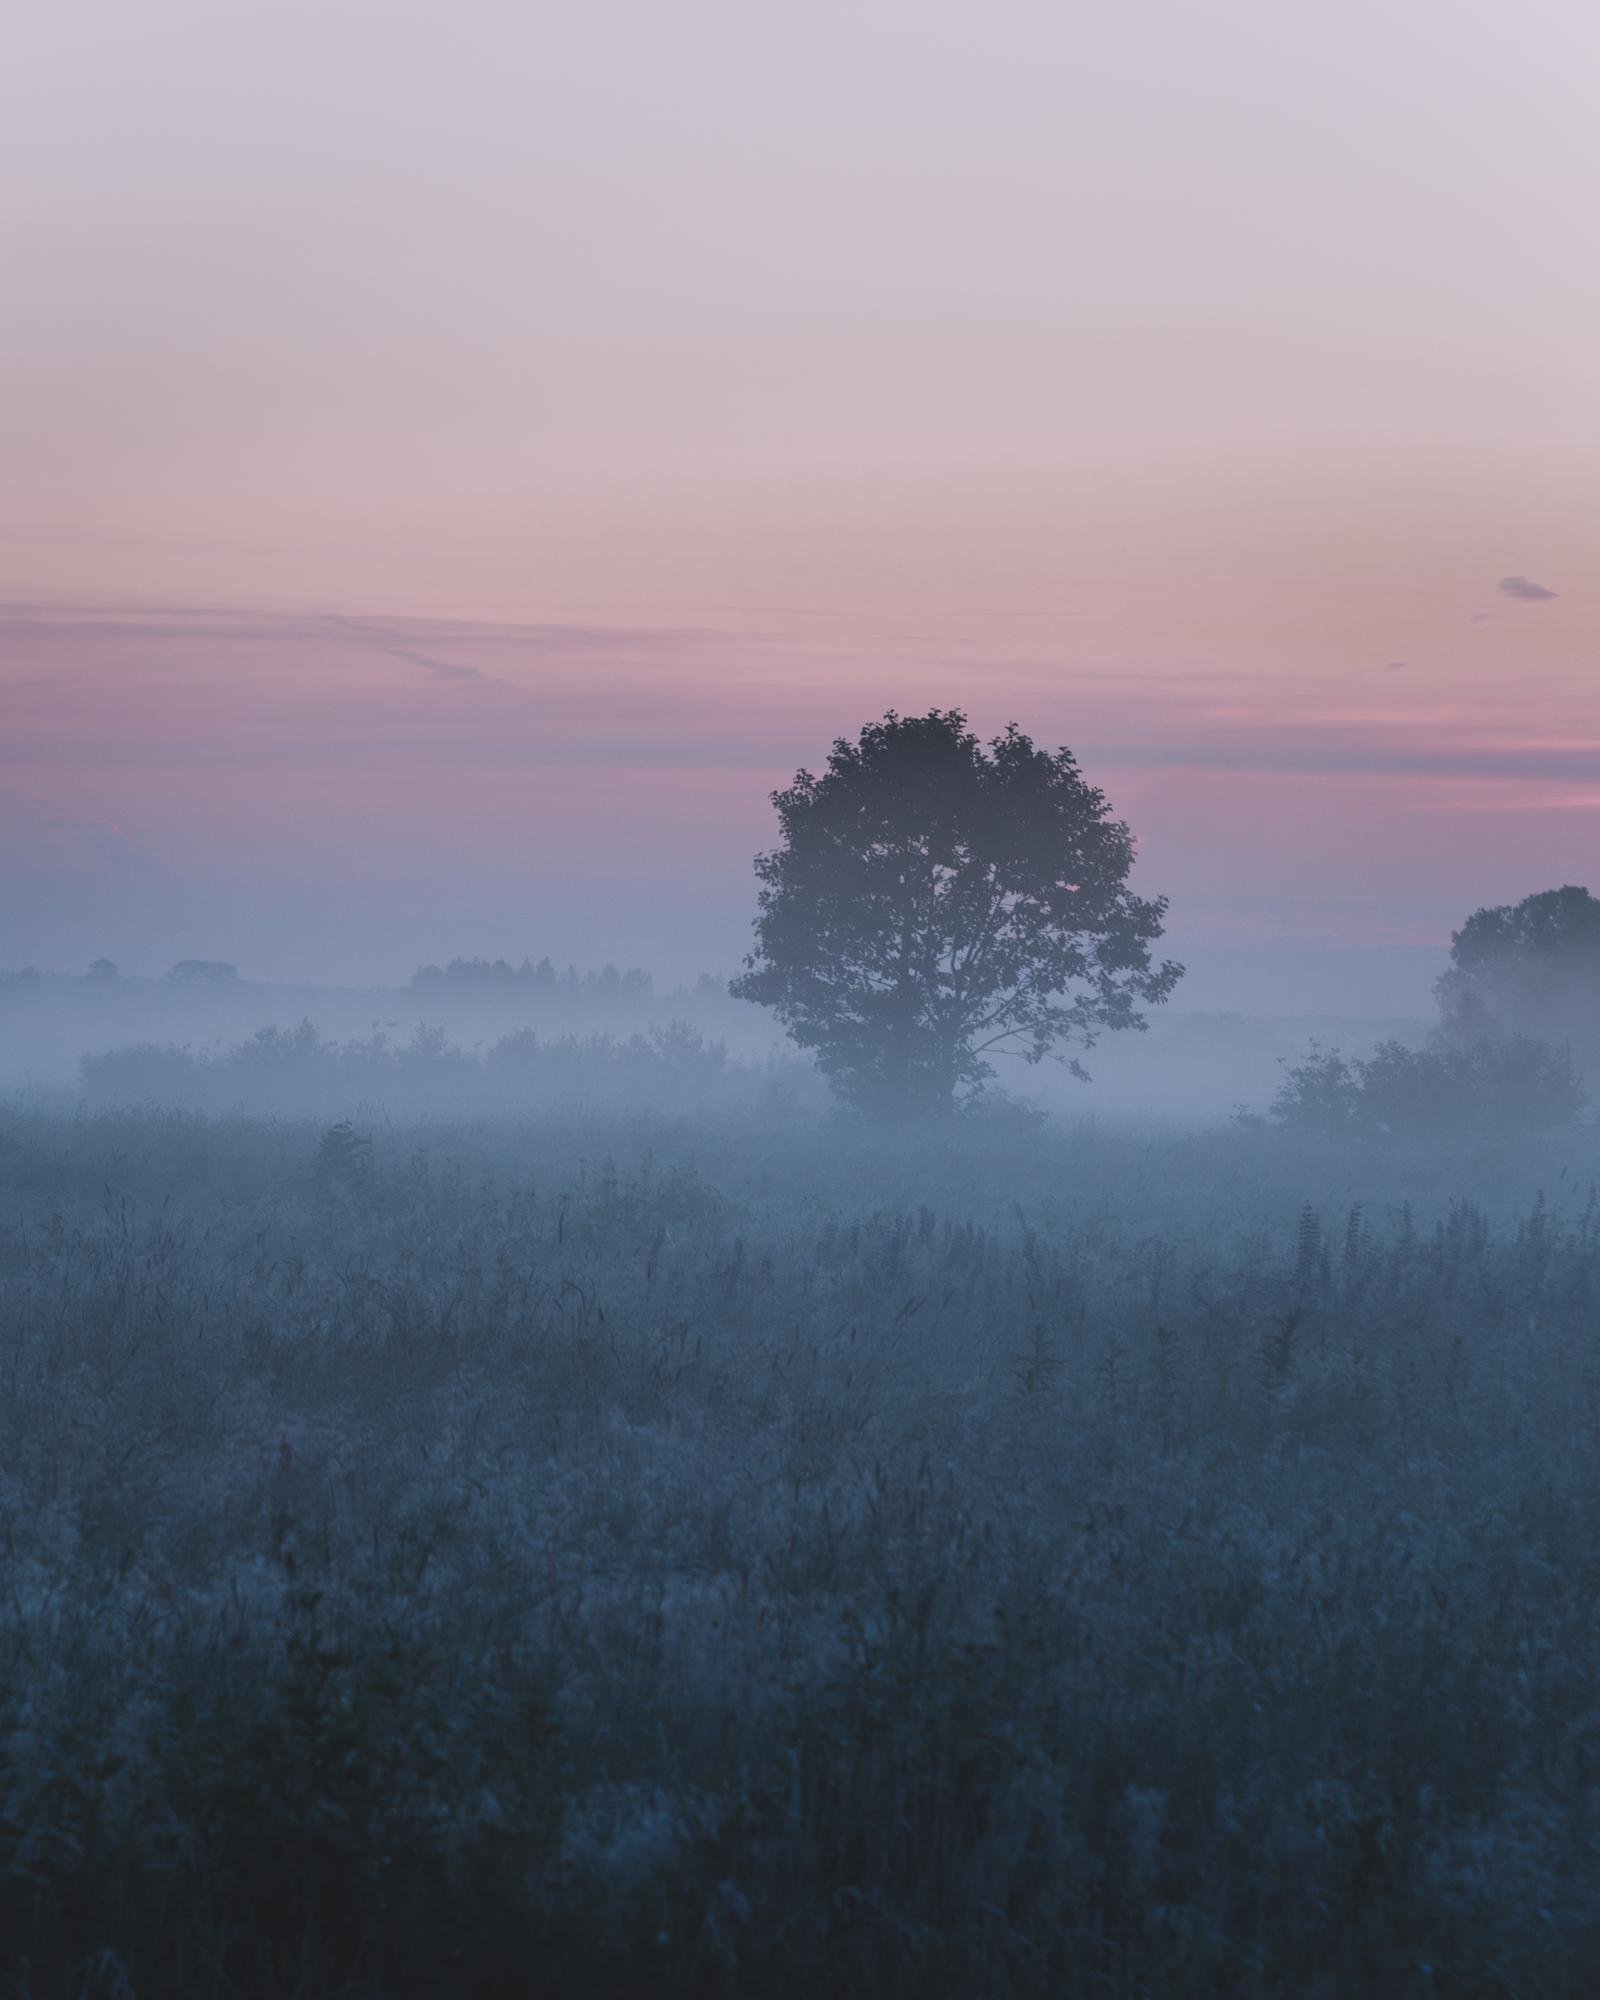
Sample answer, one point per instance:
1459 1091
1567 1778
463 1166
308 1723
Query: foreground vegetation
590 1556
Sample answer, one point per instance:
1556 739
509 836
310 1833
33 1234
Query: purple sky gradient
599 791
599 408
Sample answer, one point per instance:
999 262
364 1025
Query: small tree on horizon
935 901
203 972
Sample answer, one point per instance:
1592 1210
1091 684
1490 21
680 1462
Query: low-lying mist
478 1038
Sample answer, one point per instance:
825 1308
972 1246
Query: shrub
1490 1087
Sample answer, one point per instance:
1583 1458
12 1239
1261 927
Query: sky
458 460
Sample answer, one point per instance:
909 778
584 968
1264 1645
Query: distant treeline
493 977
105 974
296 1070
461 978
27 980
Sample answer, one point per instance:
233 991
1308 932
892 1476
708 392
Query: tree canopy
1529 968
935 901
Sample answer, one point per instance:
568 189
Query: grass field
722 1555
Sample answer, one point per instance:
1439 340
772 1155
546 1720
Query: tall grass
608 1556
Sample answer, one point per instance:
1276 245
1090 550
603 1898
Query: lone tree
936 900
1530 968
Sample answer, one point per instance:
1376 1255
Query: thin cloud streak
167 695
380 642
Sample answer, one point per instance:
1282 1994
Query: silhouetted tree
203 972
936 900
1530 968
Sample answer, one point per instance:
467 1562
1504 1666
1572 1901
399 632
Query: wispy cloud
42 840
383 642
1525 588
86 697
1328 752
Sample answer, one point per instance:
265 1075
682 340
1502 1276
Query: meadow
736 1552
